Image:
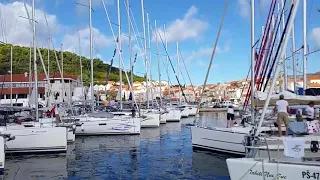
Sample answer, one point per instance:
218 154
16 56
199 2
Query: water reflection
36 167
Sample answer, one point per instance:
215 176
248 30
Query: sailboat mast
304 57
150 60
48 58
119 45
294 64
167 60
35 60
91 60
178 70
80 61
145 51
252 62
63 93
130 52
11 75
285 53
156 30
30 68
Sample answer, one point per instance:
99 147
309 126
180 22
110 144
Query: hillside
20 64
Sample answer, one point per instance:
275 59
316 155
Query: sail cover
293 99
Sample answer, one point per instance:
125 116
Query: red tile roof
20 90
25 78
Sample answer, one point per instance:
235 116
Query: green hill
20 64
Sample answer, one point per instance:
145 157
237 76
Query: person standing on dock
230 116
282 108
309 111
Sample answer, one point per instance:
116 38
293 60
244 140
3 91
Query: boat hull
104 126
150 120
250 169
218 139
163 119
34 139
185 112
2 154
173 115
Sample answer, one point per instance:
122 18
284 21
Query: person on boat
299 117
309 111
58 120
283 111
230 115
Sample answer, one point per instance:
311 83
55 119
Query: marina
125 91
125 157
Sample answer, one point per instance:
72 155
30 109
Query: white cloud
315 35
244 7
203 54
17 30
190 27
100 41
95 4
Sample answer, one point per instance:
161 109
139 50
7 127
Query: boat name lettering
39 131
267 174
310 175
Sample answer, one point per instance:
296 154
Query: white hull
34 139
192 110
173 115
163 119
250 169
185 112
218 139
150 120
50 123
108 126
2 155
229 140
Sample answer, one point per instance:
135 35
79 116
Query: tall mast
11 75
279 60
30 68
178 70
63 93
130 52
304 57
294 64
156 29
145 51
167 60
48 58
80 61
252 62
35 60
285 52
119 45
149 60
91 60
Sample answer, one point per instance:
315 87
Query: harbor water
157 153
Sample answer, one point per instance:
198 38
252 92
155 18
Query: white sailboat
35 139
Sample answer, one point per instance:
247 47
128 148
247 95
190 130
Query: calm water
157 153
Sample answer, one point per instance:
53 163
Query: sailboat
34 139
301 163
231 140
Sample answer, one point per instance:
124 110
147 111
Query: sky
193 24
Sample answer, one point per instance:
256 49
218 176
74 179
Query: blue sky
194 24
